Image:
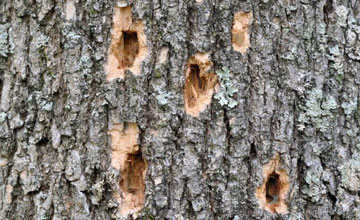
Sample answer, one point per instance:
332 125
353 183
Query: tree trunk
198 109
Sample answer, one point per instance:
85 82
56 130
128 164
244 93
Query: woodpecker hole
273 192
132 174
131 49
199 85
128 45
128 159
272 188
193 84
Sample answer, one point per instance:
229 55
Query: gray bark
298 96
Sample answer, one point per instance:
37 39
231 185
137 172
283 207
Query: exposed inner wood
128 45
130 49
163 55
8 191
272 193
70 9
273 186
132 178
199 85
240 31
127 157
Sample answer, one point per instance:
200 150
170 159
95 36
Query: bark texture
291 97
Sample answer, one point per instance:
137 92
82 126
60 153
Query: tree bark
279 140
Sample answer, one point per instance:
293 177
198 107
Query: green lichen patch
41 41
336 57
317 111
340 78
157 73
349 107
163 97
350 174
227 89
2 117
313 188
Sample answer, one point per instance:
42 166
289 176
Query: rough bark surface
297 96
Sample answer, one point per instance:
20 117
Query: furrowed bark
281 130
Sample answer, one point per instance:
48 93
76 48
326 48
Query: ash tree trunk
174 109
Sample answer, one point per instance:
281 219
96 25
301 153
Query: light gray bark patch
4 44
318 111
